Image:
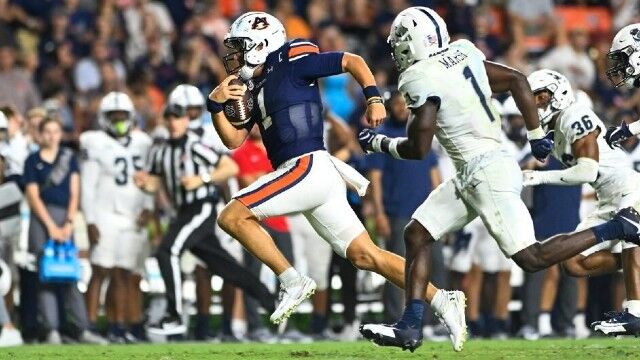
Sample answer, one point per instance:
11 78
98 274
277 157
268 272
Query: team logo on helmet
260 23
635 33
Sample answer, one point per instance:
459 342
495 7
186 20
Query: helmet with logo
560 91
416 33
252 37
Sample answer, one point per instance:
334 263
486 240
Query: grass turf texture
599 348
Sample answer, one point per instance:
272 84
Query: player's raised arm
502 79
231 136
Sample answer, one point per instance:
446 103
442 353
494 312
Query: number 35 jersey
615 173
107 169
467 124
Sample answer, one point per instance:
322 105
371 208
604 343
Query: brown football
238 112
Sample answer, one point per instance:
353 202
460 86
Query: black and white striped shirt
187 156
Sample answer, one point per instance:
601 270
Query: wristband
393 148
535 134
375 100
371 91
213 106
634 127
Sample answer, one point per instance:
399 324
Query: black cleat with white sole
168 325
629 218
390 335
618 323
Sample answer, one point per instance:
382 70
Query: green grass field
595 349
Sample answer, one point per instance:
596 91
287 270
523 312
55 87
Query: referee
188 171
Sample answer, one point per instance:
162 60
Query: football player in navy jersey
282 76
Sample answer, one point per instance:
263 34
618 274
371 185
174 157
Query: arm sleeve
73 165
312 66
29 174
584 172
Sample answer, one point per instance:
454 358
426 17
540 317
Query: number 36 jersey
615 173
467 124
107 169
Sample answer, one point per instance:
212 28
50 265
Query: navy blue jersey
289 111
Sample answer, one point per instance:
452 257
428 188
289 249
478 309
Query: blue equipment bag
59 262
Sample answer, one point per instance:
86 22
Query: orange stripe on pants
272 188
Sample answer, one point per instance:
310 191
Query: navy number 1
469 75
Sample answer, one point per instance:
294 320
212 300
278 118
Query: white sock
439 301
544 324
289 277
579 320
633 306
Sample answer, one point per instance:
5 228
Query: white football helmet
560 89
623 59
253 36
109 119
187 96
417 33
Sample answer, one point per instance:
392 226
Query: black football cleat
629 218
618 323
390 335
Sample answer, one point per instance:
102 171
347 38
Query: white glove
531 177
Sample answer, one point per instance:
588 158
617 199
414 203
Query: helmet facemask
245 56
545 114
118 122
619 69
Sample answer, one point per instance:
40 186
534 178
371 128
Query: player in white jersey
114 207
623 69
580 145
448 89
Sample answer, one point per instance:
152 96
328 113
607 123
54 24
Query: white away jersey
467 124
615 172
107 170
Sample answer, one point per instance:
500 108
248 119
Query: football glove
541 148
616 135
367 137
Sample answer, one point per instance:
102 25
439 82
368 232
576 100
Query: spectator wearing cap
16 87
52 184
397 189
